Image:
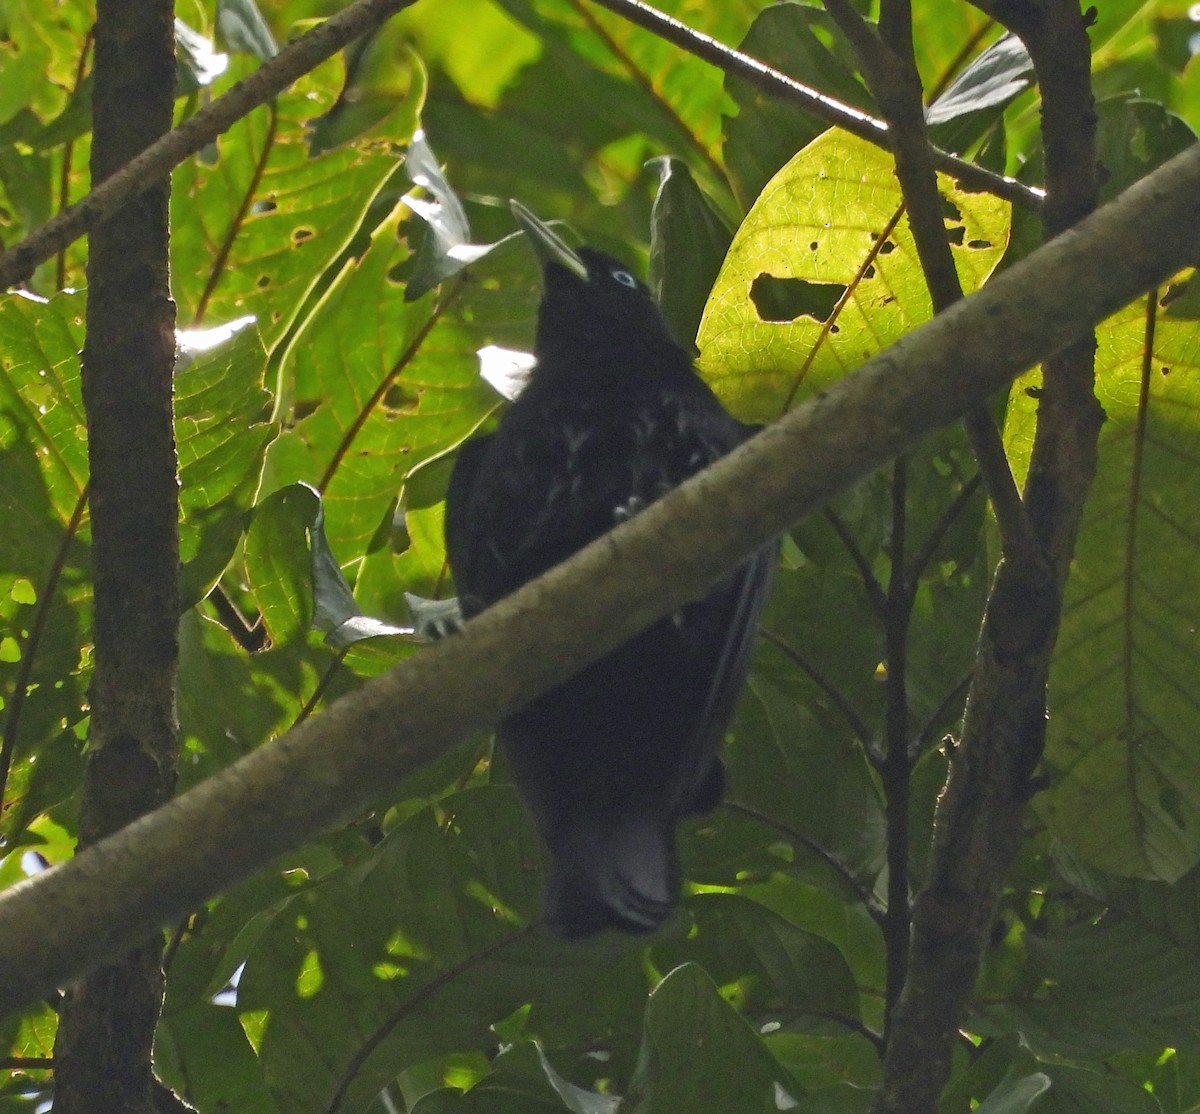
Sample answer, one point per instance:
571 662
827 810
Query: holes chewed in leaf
979 245
399 399
779 299
955 235
302 234
889 246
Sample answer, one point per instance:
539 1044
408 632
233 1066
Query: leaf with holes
823 274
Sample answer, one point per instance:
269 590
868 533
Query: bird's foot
434 619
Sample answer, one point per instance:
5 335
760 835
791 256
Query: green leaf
808 292
763 961
45 573
1081 1091
241 26
198 62
993 78
766 132
222 428
335 610
254 231
382 385
690 1039
383 94
447 249
979 93
434 954
278 568
1103 988
688 241
1122 745
1015 1094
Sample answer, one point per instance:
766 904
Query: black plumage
609 762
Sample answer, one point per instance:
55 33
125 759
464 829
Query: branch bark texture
107 1020
977 830
810 100
330 768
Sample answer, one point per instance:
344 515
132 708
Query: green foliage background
400 955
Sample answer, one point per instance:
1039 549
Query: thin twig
64 179
874 589
823 107
861 731
966 51
896 772
870 902
924 738
411 1005
156 161
642 79
940 528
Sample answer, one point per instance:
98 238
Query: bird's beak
550 247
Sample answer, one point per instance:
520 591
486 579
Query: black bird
614 416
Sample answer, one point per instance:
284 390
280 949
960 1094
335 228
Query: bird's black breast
563 468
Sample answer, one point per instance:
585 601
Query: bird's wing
467 469
750 593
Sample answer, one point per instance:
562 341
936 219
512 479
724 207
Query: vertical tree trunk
102 1055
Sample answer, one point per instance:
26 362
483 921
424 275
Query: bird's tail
612 873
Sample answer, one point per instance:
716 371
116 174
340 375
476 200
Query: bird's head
590 301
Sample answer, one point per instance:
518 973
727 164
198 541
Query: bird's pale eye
625 279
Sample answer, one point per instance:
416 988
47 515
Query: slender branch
896 770
157 160
815 103
410 1006
965 52
250 636
874 589
1017 540
333 767
940 528
872 904
861 731
924 738
642 79
889 64
64 178
978 827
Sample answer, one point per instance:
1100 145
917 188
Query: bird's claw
434 619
